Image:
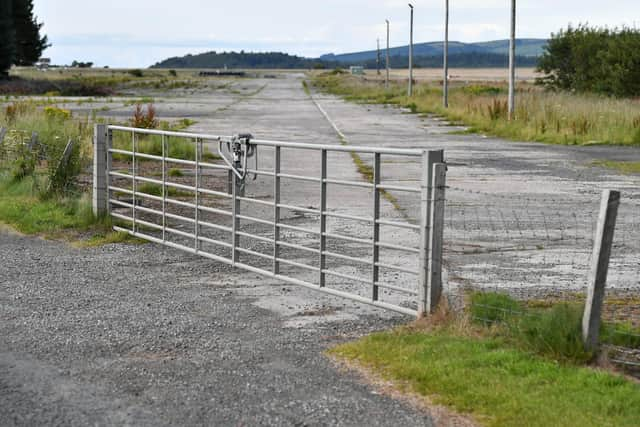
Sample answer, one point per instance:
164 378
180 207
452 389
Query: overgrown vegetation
541 115
36 197
555 332
598 60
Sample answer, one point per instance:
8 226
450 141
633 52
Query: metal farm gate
188 191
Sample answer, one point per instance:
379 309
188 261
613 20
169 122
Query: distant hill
524 48
464 55
242 60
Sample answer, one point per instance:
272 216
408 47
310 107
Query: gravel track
142 335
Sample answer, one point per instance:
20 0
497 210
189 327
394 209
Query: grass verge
626 168
543 116
69 217
494 383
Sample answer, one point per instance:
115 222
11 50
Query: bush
55 113
173 73
600 60
136 72
144 120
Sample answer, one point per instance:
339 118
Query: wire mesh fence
511 258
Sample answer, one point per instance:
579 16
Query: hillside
467 55
524 48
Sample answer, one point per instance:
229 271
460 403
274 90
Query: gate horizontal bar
344 216
397 268
299 145
398 247
398 224
298 208
347 258
349 238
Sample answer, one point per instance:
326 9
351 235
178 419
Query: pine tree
7 37
29 43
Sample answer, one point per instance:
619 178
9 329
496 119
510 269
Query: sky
139 33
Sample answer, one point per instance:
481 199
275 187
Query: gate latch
238 150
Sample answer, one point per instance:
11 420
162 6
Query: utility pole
378 58
445 87
410 91
386 82
512 62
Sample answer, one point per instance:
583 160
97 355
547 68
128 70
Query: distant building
43 63
356 70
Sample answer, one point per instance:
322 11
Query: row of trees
599 60
20 39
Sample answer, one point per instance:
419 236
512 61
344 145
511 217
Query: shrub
136 72
173 73
55 113
144 120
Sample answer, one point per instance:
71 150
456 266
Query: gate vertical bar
235 220
198 144
429 158
276 209
376 226
164 189
109 166
323 217
133 173
436 236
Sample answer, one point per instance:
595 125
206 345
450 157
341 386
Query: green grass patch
554 331
156 190
541 115
175 172
626 168
496 384
109 238
22 208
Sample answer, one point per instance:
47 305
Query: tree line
593 59
20 40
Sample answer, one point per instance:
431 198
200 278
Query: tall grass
541 115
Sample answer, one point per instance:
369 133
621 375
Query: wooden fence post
599 268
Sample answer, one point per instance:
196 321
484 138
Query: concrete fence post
429 159
434 283
100 177
599 268
3 132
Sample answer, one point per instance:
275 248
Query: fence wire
537 249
